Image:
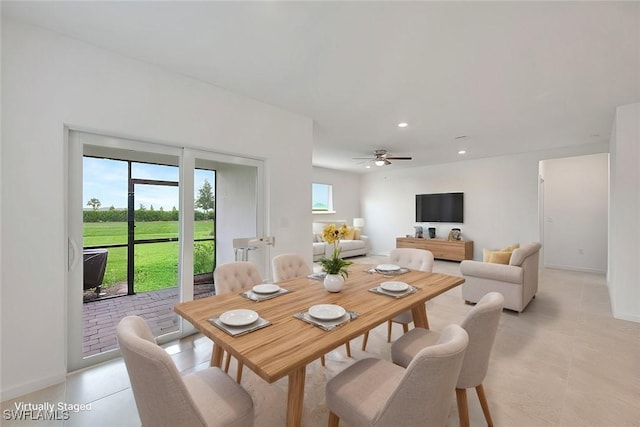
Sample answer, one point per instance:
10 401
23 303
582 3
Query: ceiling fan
381 158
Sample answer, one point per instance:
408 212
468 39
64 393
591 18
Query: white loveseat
517 281
348 248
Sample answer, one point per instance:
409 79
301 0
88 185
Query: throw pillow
511 248
356 234
486 254
349 234
500 257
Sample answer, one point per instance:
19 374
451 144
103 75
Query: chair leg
405 327
348 349
463 407
227 362
322 362
239 372
389 324
484 404
334 420
364 341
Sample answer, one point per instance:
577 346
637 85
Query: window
321 198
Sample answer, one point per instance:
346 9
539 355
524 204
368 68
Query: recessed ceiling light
462 152
403 125
368 166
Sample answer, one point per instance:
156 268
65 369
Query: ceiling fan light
379 162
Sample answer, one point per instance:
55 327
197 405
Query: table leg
419 313
216 356
295 397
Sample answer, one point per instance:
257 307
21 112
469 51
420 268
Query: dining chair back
288 266
481 323
165 398
414 259
375 392
234 277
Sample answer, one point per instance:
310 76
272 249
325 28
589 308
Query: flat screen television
441 207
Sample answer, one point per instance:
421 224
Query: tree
94 203
205 200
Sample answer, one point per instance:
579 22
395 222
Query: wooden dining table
285 347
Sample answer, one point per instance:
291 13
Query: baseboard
30 387
625 316
572 268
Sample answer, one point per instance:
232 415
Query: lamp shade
358 222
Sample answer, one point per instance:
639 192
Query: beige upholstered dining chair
415 259
207 397
288 266
234 277
375 392
481 323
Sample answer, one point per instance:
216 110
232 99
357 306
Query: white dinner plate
326 311
267 288
394 286
239 317
388 267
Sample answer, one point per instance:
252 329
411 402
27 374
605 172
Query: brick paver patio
156 307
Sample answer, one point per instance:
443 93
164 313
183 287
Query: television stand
451 250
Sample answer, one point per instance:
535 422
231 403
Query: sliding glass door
143 223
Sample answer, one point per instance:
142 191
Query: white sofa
348 248
517 281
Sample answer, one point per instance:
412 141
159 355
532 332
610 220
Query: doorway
166 245
573 203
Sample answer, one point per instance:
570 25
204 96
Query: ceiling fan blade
399 158
363 158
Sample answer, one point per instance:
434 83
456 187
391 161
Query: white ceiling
511 76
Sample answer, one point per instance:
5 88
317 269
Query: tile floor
564 361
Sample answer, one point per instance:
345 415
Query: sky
106 180
320 194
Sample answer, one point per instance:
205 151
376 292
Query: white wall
48 81
576 197
346 195
623 275
501 199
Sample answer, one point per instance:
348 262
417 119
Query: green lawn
155 264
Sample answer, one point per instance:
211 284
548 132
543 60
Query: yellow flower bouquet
335 264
